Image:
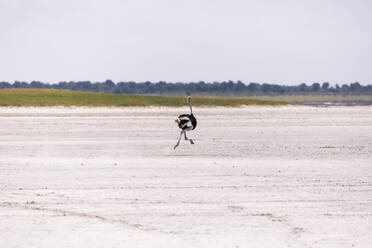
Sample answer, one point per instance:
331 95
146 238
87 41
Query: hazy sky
273 41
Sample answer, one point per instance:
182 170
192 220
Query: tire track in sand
30 206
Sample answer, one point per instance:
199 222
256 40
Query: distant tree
201 86
355 87
302 88
325 86
253 88
109 83
266 88
17 84
240 88
36 85
5 85
345 88
315 87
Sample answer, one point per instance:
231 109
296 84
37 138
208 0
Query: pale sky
272 41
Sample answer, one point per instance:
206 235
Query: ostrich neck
190 107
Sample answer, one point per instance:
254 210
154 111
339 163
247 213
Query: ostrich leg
191 141
178 142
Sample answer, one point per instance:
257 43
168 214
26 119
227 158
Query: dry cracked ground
255 177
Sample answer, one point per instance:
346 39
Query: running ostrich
186 122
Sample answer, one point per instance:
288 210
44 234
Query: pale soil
256 177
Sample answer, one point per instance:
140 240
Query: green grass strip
44 98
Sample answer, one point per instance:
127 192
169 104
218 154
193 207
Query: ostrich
186 122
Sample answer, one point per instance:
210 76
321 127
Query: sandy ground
256 177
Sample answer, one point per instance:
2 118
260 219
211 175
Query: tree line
230 88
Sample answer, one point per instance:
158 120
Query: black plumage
187 121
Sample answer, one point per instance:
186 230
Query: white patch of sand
256 177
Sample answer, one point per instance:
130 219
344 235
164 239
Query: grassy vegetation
317 98
41 98
36 97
